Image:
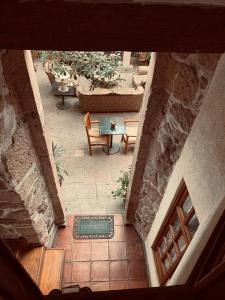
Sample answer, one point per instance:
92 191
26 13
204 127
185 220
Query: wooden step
31 259
51 273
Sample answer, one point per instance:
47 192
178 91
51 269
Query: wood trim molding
207 259
174 212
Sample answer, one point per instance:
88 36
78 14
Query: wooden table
105 129
55 90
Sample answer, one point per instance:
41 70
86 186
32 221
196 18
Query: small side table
105 129
71 92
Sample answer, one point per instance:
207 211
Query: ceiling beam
111 25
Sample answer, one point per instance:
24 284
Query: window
175 235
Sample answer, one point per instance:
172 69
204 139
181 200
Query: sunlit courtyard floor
87 189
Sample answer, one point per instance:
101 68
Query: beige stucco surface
202 166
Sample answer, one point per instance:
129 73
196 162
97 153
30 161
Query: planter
142 56
110 100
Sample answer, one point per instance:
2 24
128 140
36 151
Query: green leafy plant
99 67
148 57
121 191
58 152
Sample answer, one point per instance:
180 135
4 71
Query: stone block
8 231
21 155
185 84
183 116
10 196
15 222
209 60
14 213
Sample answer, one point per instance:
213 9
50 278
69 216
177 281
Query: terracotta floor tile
67 270
100 271
117 250
118 285
63 236
69 220
118 270
118 234
134 250
118 219
100 251
67 251
137 284
131 234
137 269
100 240
81 272
99 286
81 241
81 251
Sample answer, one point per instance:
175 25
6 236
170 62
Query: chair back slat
87 120
51 77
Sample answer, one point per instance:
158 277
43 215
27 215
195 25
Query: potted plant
143 57
121 191
58 152
98 67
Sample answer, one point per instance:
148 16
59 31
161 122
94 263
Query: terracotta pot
142 56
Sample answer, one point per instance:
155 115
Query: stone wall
179 85
25 207
202 167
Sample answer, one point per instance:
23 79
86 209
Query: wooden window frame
175 212
211 260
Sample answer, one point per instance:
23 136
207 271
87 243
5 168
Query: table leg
113 149
62 105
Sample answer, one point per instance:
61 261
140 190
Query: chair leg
90 150
126 145
108 145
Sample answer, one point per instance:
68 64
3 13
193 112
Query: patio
102 264
91 179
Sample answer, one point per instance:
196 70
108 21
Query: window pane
181 243
163 247
176 225
166 264
193 225
169 237
173 255
187 205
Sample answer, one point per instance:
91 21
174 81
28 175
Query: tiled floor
91 179
117 263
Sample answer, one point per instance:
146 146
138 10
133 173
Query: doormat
93 227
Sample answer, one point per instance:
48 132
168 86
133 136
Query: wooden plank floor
51 270
31 261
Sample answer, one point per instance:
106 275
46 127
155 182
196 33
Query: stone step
44 266
31 260
51 272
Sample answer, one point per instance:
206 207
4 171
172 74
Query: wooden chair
51 77
93 136
131 133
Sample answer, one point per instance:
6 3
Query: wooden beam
111 25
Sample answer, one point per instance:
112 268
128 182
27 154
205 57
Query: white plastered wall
202 166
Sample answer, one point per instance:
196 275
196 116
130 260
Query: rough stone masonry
25 207
180 83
